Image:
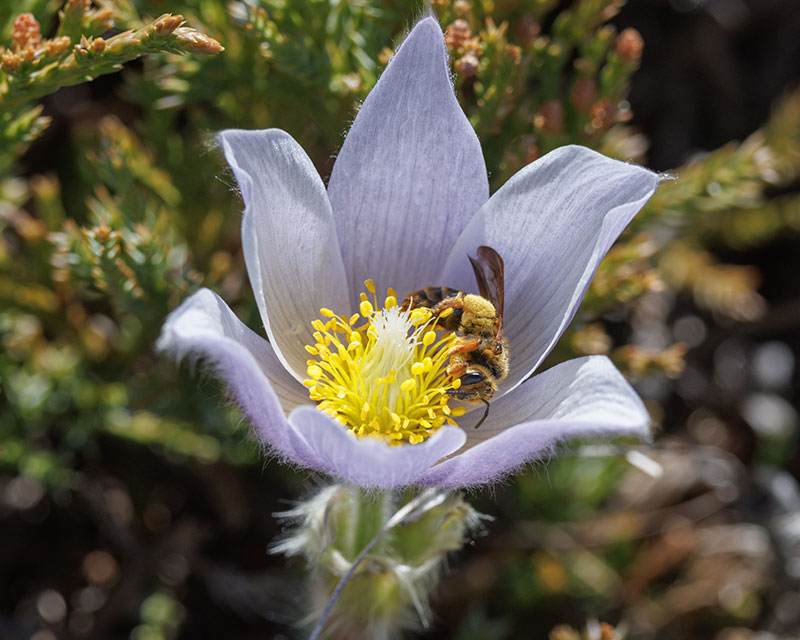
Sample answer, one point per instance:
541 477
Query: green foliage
138 211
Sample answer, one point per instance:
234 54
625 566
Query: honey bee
479 357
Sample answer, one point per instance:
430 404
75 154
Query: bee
479 357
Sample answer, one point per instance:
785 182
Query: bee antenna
485 413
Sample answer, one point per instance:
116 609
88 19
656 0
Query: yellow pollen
382 372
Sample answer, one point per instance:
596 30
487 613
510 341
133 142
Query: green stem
409 511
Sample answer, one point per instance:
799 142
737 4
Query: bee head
477 384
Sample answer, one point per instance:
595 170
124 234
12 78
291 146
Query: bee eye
472 378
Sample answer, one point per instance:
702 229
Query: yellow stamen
386 377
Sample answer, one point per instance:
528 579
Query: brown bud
197 42
550 117
584 93
98 45
25 32
629 45
467 66
164 25
602 114
458 34
526 29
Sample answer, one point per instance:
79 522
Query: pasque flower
407 203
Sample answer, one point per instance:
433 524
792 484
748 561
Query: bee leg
485 413
464 345
457 369
454 303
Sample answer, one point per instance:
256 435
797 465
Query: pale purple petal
288 237
410 174
204 327
552 223
581 398
369 462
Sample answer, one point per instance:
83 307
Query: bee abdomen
429 297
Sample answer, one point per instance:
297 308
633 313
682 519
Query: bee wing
490 274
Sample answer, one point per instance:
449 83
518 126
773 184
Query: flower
406 204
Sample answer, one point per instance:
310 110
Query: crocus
406 204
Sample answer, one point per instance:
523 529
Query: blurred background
133 501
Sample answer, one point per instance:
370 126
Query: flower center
385 377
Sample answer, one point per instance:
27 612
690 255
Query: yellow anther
420 314
458 411
362 296
448 311
382 372
370 285
391 292
314 371
456 383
